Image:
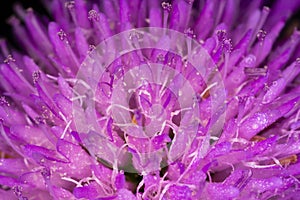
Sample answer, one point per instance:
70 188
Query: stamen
70 4
3 47
9 59
257 138
3 101
62 35
36 75
261 35
93 15
288 160
134 121
250 71
227 45
91 48
166 6
190 33
221 34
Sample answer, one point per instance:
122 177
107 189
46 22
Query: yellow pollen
134 120
257 138
288 160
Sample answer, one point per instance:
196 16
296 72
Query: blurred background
6 10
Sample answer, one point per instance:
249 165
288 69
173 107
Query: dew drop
249 60
61 34
179 93
9 59
166 6
93 15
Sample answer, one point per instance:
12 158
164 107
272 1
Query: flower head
151 100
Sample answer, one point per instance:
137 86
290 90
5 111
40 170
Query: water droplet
9 59
221 34
261 35
190 33
249 61
61 34
93 15
166 6
180 93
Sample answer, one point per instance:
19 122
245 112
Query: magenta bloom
151 100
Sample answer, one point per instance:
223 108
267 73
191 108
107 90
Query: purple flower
151 100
